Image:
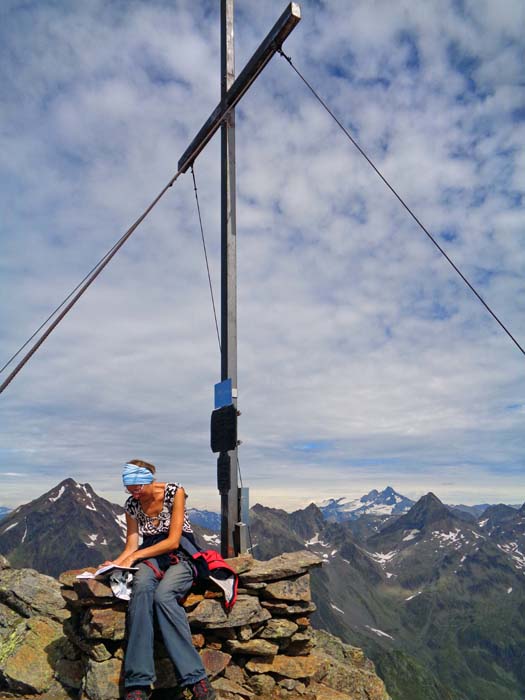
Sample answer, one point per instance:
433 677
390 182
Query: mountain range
68 527
386 502
434 595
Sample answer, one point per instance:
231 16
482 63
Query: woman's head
136 472
143 465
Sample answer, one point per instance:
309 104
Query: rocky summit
65 639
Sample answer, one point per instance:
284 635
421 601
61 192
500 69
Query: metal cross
232 532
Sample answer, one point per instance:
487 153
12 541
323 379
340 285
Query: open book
106 570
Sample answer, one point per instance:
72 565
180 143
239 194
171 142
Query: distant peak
66 482
427 510
431 498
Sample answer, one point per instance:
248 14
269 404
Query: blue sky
363 359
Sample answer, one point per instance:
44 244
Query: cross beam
273 41
233 537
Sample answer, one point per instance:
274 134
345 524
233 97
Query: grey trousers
150 596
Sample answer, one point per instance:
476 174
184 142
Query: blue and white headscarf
136 476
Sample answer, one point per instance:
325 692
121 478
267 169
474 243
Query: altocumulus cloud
363 359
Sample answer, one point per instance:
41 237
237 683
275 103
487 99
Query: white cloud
354 333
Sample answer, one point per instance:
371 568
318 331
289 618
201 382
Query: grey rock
253 647
223 685
278 629
284 609
288 683
103 680
30 593
297 589
299 644
337 649
262 684
104 623
28 655
211 614
245 633
283 566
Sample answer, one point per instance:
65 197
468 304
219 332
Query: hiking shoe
137 693
202 690
181 694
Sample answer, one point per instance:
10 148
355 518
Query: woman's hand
128 561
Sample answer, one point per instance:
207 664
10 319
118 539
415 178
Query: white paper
106 570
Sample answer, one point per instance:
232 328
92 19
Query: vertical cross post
233 535
229 502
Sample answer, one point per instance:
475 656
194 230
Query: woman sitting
158 513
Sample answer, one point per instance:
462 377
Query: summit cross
233 530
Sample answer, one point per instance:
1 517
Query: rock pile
36 659
263 649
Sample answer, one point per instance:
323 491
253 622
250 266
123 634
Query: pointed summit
308 521
429 509
67 527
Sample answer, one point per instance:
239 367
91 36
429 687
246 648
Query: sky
364 360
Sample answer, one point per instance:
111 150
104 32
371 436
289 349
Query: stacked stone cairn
264 648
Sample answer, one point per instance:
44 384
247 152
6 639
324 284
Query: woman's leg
139 668
174 625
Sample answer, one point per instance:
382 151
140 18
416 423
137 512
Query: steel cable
206 256
400 199
90 278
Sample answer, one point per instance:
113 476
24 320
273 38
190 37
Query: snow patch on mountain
376 503
315 540
381 558
214 540
517 557
379 633
60 492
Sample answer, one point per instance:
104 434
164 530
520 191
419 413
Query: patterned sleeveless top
159 524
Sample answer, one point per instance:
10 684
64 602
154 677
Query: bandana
135 476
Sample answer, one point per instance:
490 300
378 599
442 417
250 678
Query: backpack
209 565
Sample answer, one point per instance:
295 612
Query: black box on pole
224 429
224 473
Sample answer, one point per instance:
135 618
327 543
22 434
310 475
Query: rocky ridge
65 639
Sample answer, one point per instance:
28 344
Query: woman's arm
170 543
132 542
